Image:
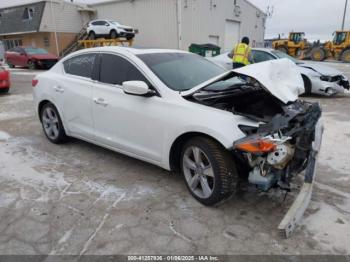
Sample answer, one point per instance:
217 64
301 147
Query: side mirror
138 88
107 24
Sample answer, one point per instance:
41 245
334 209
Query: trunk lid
279 77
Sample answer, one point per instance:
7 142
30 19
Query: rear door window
81 65
99 23
115 70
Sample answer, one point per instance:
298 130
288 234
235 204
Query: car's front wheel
31 65
113 34
209 171
52 124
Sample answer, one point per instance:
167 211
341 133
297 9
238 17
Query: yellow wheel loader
339 48
295 45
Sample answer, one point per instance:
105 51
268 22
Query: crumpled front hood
322 69
279 77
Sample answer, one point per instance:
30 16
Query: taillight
35 82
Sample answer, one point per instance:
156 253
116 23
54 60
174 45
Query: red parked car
4 80
30 57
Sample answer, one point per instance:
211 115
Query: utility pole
53 19
345 8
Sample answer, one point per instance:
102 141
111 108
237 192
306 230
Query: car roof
134 51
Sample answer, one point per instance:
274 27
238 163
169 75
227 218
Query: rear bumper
4 86
296 211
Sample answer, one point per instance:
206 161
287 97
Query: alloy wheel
198 172
50 123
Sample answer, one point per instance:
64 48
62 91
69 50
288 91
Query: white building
178 23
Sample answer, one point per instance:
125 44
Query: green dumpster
206 50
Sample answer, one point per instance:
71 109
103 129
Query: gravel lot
82 199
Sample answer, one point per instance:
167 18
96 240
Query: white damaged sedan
318 78
182 112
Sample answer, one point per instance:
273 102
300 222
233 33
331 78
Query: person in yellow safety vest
241 54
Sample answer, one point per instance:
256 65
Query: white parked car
182 112
318 79
108 28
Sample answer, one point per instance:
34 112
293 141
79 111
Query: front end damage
333 84
284 143
325 80
280 149
285 147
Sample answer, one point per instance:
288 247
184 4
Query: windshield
280 54
181 71
35 51
339 38
114 22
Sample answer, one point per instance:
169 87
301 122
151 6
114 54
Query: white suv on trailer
109 28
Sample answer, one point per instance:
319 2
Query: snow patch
4 136
9 107
334 152
330 228
24 167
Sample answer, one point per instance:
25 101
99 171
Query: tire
52 124
318 54
4 90
307 85
32 65
283 49
129 38
92 35
213 177
113 34
345 56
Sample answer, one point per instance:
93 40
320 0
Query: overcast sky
317 18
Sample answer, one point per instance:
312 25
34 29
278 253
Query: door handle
100 101
59 89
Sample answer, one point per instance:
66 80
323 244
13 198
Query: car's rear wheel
52 124
209 172
31 65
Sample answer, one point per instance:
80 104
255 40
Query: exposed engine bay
280 147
